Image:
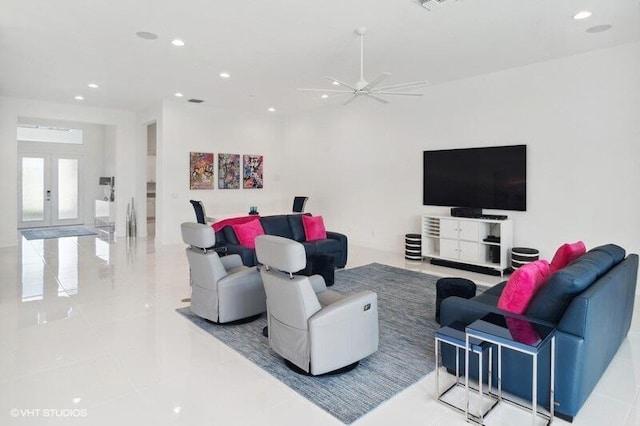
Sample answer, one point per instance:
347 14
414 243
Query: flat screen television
489 178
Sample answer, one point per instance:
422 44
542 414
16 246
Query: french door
49 188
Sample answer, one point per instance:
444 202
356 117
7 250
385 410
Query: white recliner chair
315 329
222 289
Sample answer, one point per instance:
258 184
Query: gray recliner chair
222 289
317 330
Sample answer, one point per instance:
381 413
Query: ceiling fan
370 88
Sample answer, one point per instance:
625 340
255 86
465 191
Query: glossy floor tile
89 336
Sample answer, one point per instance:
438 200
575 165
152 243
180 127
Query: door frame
51 205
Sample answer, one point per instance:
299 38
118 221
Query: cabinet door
449 248
469 230
469 251
449 228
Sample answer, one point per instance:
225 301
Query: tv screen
490 178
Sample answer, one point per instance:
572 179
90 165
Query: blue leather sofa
287 226
590 302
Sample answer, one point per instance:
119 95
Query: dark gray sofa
287 226
590 302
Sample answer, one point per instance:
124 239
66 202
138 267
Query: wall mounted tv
490 178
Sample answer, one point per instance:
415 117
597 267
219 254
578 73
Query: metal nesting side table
454 335
519 335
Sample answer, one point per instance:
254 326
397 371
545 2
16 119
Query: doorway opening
151 180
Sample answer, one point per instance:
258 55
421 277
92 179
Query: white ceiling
50 50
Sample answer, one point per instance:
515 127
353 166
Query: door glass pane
32 189
67 188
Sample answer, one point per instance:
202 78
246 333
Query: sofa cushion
310 248
566 254
229 235
297 229
523 285
554 297
617 253
487 298
314 228
247 232
496 290
277 225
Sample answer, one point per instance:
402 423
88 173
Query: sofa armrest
463 310
337 236
341 260
247 254
467 311
231 261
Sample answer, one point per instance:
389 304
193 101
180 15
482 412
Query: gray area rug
406 308
61 232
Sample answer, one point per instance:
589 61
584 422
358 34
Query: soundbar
473 213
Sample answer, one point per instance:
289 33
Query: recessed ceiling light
79 98
335 83
93 85
178 95
272 109
583 14
599 28
225 75
147 35
325 96
177 42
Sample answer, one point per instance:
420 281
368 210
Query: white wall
188 128
362 164
123 135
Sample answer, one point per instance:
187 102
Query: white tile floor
89 336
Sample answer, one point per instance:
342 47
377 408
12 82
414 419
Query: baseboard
466 267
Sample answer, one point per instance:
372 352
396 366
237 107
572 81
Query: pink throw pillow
314 228
523 285
566 254
247 232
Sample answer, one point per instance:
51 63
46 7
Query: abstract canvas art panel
229 171
200 170
252 171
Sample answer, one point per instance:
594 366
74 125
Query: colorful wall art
229 171
200 170
252 171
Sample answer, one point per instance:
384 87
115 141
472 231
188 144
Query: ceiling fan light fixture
372 88
583 14
429 4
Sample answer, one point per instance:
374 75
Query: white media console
484 243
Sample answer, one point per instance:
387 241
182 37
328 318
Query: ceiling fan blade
325 90
399 93
341 82
376 81
384 101
413 84
350 100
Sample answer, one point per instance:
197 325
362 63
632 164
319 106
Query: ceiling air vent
195 101
430 4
